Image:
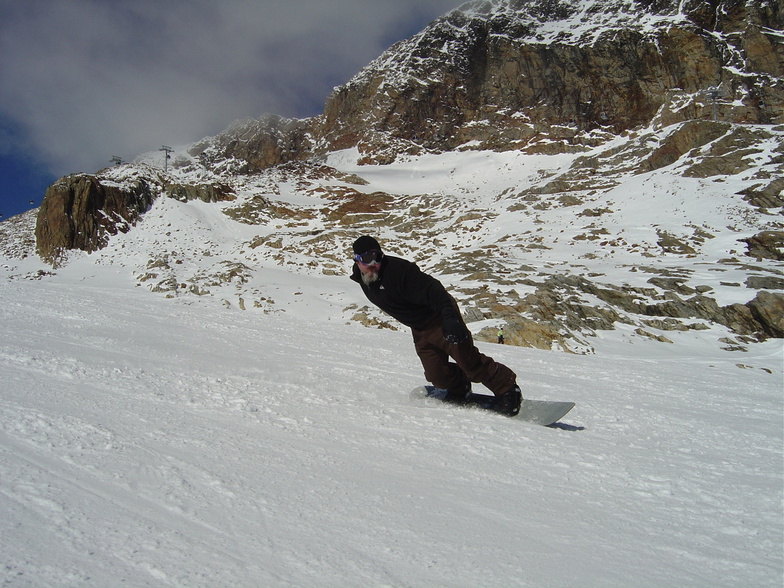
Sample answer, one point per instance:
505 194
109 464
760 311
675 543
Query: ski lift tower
713 94
167 157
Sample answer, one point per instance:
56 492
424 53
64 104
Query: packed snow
151 441
255 436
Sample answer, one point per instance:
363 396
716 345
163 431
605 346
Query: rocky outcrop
490 76
690 135
249 146
81 212
556 314
768 194
768 310
545 76
214 192
766 245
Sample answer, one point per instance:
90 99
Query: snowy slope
495 226
195 404
149 441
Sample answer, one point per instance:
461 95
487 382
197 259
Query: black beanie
365 244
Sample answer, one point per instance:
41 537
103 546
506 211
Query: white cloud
88 79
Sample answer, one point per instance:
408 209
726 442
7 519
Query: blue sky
84 80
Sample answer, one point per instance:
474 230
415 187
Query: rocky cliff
544 76
81 212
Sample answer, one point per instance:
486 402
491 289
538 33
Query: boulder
768 309
766 245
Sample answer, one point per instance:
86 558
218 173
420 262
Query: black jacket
405 292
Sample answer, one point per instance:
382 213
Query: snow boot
458 396
509 403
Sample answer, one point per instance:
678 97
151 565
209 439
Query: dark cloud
88 79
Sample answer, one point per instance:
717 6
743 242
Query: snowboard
540 412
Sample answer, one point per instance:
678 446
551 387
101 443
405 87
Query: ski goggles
369 257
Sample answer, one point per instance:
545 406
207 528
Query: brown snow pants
470 365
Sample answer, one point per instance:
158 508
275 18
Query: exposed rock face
540 75
492 75
257 144
767 244
205 192
768 310
556 310
765 195
80 212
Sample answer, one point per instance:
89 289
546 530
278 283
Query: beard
369 277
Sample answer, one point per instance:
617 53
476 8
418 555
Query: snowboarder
501 335
419 301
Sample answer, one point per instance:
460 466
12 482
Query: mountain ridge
580 191
526 82
580 66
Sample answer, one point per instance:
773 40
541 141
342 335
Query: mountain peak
544 75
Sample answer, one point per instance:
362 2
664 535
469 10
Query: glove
454 329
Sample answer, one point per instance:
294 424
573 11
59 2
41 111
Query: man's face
369 264
369 272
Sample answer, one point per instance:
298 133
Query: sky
82 81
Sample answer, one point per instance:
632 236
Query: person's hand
454 329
